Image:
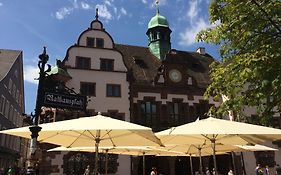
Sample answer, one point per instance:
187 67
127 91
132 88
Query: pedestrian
258 170
11 171
87 170
230 172
208 171
266 171
153 171
2 171
278 170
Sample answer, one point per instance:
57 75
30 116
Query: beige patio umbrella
124 150
200 150
214 130
91 131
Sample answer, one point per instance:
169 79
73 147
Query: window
17 96
7 109
2 104
202 109
11 113
113 90
10 85
83 62
88 89
100 43
148 112
176 113
14 90
106 64
90 42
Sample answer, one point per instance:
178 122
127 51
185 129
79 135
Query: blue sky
28 25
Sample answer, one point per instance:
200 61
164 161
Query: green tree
249 36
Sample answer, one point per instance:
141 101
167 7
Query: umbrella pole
143 164
106 161
233 162
191 165
200 162
97 139
214 155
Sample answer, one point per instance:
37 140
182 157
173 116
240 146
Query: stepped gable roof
143 64
7 59
197 65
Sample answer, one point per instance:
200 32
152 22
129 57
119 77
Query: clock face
175 75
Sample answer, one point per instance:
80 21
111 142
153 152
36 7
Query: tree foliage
249 74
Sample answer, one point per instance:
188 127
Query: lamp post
35 129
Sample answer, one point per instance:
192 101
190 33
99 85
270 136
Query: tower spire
97 13
157 6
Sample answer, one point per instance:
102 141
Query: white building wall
249 157
99 102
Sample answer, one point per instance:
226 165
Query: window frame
83 62
90 41
89 84
149 117
176 117
2 104
108 64
99 42
115 88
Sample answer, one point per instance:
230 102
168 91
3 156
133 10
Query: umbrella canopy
222 131
83 132
124 150
197 150
91 131
212 130
256 147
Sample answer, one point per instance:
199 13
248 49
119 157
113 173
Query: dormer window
100 42
106 64
90 42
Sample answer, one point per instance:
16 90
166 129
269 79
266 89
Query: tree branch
267 16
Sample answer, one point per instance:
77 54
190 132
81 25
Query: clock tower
158 33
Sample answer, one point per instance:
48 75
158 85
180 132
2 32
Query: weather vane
97 13
157 6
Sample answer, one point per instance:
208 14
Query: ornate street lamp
35 129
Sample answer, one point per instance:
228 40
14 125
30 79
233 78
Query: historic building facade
12 149
155 86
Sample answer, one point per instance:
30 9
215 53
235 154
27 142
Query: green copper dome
158 20
59 73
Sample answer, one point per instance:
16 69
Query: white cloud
107 2
1 4
75 4
144 1
104 12
31 73
62 12
193 9
67 10
123 11
115 9
188 36
85 6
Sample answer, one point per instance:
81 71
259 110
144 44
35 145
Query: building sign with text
64 101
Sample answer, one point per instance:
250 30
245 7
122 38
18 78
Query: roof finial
97 13
157 6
